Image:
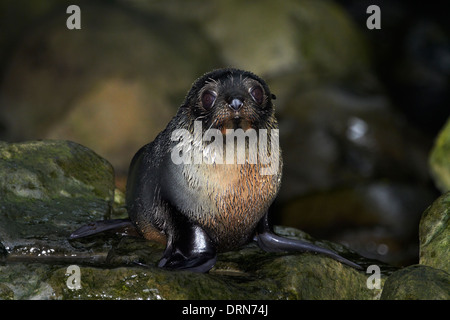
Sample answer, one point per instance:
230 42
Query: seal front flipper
270 242
122 225
189 249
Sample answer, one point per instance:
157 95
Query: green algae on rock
49 188
248 273
434 234
440 159
49 169
417 282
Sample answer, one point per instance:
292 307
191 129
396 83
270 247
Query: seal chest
233 199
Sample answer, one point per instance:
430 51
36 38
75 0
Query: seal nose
236 104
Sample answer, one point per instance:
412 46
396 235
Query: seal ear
274 97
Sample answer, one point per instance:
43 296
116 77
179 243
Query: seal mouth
234 123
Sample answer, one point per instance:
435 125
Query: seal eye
208 99
257 94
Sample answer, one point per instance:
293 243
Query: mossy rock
440 159
49 169
248 273
417 282
50 188
434 234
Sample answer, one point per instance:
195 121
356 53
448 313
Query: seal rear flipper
271 242
192 250
118 225
268 241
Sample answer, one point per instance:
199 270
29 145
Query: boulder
434 234
417 282
48 189
440 159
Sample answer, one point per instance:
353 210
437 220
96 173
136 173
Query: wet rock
434 234
47 169
25 281
248 273
287 277
417 282
5 292
48 189
440 159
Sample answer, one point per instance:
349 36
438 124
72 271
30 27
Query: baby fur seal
203 204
